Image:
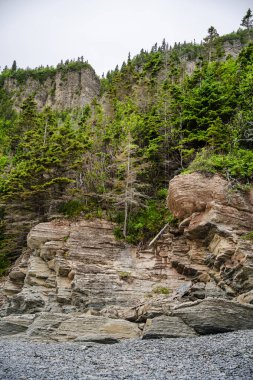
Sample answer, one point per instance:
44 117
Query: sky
42 32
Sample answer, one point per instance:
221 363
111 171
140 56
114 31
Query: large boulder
194 193
67 327
212 316
167 327
215 223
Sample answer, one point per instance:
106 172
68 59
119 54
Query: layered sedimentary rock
78 270
74 280
217 220
80 266
212 316
208 316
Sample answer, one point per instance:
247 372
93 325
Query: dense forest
166 111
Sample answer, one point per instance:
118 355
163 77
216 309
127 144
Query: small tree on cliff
14 66
247 21
210 39
128 189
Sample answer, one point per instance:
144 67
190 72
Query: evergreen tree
154 48
28 119
247 21
128 188
210 39
123 66
14 66
164 44
128 192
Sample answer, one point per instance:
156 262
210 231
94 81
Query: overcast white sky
35 32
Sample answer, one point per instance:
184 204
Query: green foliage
161 290
237 164
124 275
46 154
146 223
248 236
240 36
162 193
72 208
42 73
21 75
114 157
118 233
243 187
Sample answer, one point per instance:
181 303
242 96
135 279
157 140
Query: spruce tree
247 21
14 66
209 39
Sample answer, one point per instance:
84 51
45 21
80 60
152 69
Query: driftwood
158 235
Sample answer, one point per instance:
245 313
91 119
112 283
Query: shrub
237 164
147 222
71 208
118 233
126 276
248 236
161 290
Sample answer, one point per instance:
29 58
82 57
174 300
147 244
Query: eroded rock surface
215 221
167 327
68 90
212 316
74 278
79 267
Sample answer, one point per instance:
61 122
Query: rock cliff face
74 281
77 87
233 48
72 89
217 220
79 266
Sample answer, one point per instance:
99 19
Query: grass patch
236 165
248 236
161 290
125 275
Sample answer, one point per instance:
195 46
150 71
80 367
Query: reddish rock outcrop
196 193
215 218
191 193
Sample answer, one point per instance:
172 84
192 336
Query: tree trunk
126 188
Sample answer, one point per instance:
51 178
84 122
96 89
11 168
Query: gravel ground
224 356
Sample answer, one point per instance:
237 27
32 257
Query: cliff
75 84
58 89
75 281
73 180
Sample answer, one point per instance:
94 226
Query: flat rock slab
167 327
15 324
212 316
67 327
